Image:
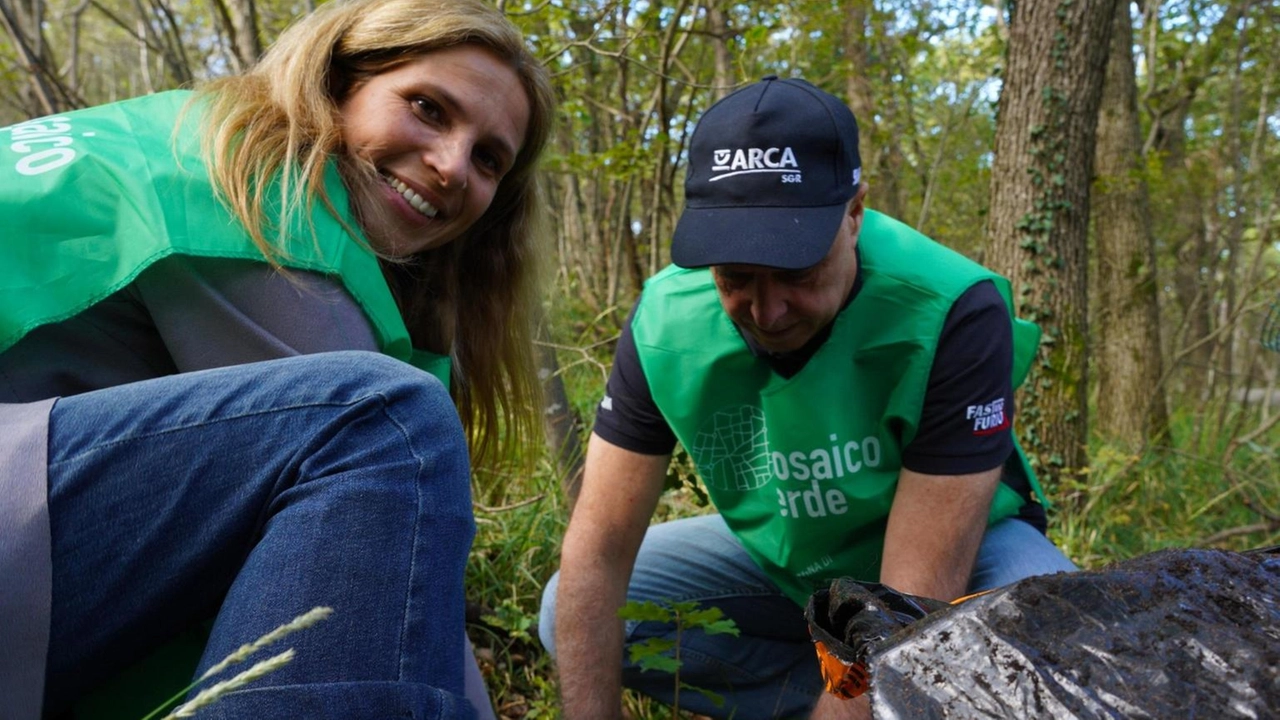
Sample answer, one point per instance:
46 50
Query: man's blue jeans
771 669
253 494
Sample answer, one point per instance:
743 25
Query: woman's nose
451 160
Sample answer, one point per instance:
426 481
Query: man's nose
768 306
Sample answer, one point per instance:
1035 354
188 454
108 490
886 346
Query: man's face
784 309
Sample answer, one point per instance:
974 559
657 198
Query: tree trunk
239 19
1043 167
563 426
882 158
1175 83
1131 402
1235 206
1194 259
857 86
24 26
718 29
248 41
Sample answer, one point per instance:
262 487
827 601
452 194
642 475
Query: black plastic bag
1175 634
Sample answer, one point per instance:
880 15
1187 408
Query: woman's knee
412 398
390 421
351 370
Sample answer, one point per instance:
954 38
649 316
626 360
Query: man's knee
547 616
1012 550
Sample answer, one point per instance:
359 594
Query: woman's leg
256 493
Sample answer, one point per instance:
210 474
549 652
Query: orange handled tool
850 618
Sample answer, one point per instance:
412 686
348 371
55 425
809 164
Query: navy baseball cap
772 168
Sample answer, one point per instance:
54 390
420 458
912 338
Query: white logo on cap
744 161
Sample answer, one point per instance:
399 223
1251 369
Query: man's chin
780 343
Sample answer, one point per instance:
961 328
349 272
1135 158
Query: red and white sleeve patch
987 419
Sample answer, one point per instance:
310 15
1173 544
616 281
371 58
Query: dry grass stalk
211 694
306 620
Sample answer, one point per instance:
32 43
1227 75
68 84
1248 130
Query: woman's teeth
414 199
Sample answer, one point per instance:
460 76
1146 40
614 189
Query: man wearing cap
844 386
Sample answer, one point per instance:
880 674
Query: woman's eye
427 109
489 161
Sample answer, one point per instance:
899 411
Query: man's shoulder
674 277
674 294
887 239
893 252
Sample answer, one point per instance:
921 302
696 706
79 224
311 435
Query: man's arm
952 467
938 517
935 527
620 490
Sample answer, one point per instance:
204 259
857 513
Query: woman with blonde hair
245 336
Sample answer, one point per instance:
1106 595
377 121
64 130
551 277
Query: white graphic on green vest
812 499
732 453
43 145
731 449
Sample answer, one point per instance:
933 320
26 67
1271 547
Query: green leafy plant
663 653
513 619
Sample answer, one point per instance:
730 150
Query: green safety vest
89 199
804 469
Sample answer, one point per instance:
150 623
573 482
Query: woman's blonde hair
476 298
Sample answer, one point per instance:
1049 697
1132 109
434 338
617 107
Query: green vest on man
803 469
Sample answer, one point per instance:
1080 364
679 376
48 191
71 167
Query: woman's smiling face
441 130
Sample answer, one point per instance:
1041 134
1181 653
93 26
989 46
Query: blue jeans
770 670
252 494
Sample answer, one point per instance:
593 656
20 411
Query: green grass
515 551
1175 495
